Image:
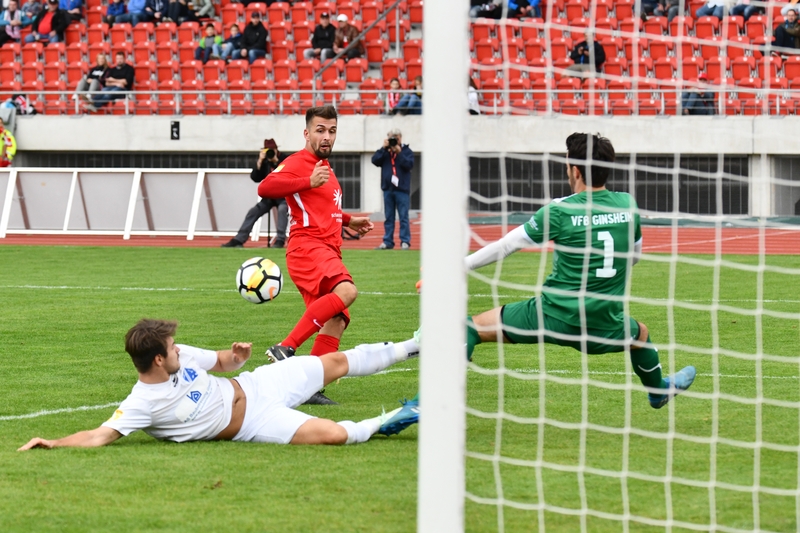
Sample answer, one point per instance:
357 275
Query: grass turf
66 309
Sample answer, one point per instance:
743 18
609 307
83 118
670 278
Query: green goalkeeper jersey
613 223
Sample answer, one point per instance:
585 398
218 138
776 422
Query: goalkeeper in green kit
597 239
582 299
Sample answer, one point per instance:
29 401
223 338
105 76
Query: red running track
656 240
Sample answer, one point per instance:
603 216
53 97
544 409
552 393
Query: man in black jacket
268 159
49 24
254 39
587 55
396 161
322 40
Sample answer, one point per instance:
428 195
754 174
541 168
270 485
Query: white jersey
191 405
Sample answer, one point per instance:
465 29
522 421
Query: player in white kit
176 399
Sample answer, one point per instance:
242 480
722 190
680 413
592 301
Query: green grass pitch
64 312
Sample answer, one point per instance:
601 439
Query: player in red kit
313 252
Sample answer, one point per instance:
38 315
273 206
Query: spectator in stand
411 104
582 55
696 101
73 7
670 8
346 34
13 20
49 24
488 10
8 145
204 9
136 13
322 40
714 8
254 39
178 11
472 98
746 9
522 8
94 80
119 78
392 95
115 8
787 35
157 9
232 45
31 8
209 46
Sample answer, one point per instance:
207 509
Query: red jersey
313 213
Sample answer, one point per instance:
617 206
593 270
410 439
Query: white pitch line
368 293
38 414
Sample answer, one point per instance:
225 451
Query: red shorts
316 269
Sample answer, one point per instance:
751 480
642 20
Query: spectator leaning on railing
49 24
119 78
11 23
254 39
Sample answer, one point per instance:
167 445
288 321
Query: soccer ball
259 280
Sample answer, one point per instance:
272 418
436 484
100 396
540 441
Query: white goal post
442 434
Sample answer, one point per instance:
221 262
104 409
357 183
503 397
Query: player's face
171 363
320 136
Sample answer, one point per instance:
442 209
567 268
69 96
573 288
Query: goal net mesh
561 441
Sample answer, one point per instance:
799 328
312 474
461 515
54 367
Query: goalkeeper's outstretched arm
514 240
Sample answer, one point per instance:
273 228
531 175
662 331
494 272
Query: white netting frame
540 375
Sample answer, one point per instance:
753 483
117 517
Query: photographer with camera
588 55
268 160
396 161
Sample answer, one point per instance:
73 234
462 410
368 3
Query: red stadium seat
145 107
412 49
278 11
622 107
302 12
189 31
186 51
166 51
144 51
32 71
236 70
144 71
742 67
213 69
76 71
144 88
166 70
97 33
10 53
282 50
55 52
121 33
32 52
143 32
376 50
232 14
54 71
166 31
75 33
282 70
355 70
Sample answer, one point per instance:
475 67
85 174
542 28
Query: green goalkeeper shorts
519 317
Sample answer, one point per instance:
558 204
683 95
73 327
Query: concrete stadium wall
650 135
761 138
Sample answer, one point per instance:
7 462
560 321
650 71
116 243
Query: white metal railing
178 202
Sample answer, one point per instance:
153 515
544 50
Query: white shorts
272 392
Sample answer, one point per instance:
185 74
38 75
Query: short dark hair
147 339
602 151
236 26
120 53
327 112
210 25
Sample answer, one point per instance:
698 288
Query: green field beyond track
64 312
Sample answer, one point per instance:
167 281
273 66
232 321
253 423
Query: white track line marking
38 414
368 293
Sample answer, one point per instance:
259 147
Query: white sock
367 359
358 432
407 349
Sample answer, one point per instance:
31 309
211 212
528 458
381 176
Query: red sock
314 318
324 344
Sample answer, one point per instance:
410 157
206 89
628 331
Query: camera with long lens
270 153
392 141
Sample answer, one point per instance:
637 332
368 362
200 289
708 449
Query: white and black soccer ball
259 280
